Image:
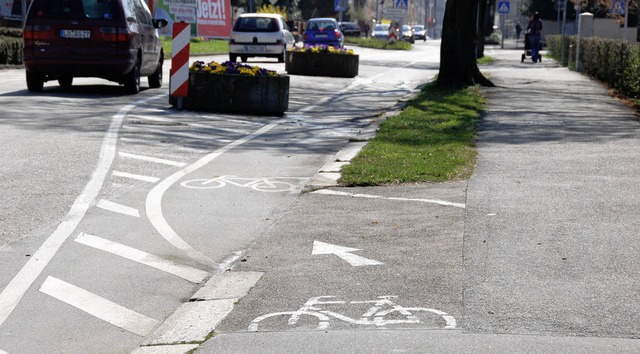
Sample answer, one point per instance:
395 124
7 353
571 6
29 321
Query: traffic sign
403 4
396 14
504 7
340 5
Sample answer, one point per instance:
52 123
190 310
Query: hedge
614 62
10 46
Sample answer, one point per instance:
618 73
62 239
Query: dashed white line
151 159
191 274
18 286
99 307
136 177
168 134
371 196
118 208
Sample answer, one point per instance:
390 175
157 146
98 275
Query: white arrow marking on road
344 253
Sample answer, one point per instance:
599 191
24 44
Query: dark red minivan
116 40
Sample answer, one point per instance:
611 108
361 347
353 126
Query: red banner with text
214 18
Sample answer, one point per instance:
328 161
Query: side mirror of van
159 23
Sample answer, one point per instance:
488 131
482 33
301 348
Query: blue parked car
323 31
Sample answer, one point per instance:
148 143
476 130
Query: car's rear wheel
233 58
65 81
155 79
35 82
132 79
243 58
282 57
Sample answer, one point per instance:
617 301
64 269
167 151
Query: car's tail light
39 32
305 36
279 42
114 34
232 41
337 34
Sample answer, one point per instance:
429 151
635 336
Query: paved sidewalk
550 255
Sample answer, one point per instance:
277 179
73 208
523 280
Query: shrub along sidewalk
614 62
10 46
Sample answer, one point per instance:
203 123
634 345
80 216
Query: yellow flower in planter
322 48
230 68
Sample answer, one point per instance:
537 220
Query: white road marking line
18 286
118 208
354 195
99 307
3 352
168 134
227 130
154 198
191 274
137 177
127 155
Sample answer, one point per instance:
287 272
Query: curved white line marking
154 198
15 290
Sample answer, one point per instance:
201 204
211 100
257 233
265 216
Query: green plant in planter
234 88
322 48
322 60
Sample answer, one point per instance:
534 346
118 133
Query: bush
10 50
10 32
614 62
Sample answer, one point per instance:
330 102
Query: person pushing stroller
534 33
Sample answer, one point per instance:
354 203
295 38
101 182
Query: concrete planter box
236 94
321 64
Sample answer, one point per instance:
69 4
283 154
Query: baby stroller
527 50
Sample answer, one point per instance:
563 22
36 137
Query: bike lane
353 259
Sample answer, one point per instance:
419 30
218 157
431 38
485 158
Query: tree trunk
458 67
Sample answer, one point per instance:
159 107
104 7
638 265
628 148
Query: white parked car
259 35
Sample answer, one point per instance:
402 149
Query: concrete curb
194 322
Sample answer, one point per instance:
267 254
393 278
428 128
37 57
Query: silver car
380 31
259 35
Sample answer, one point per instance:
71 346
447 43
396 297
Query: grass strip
378 43
432 140
198 46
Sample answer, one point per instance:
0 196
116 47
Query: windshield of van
74 9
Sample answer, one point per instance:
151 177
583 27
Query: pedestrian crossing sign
503 7
402 4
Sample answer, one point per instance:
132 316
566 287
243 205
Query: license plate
65 33
322 35
254 48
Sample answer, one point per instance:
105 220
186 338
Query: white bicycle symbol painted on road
392 314
267 184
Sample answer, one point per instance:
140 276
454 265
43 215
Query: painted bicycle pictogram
383 312
261 184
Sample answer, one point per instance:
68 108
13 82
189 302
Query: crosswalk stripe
136 177
118 208
99 307
151 159
188 273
